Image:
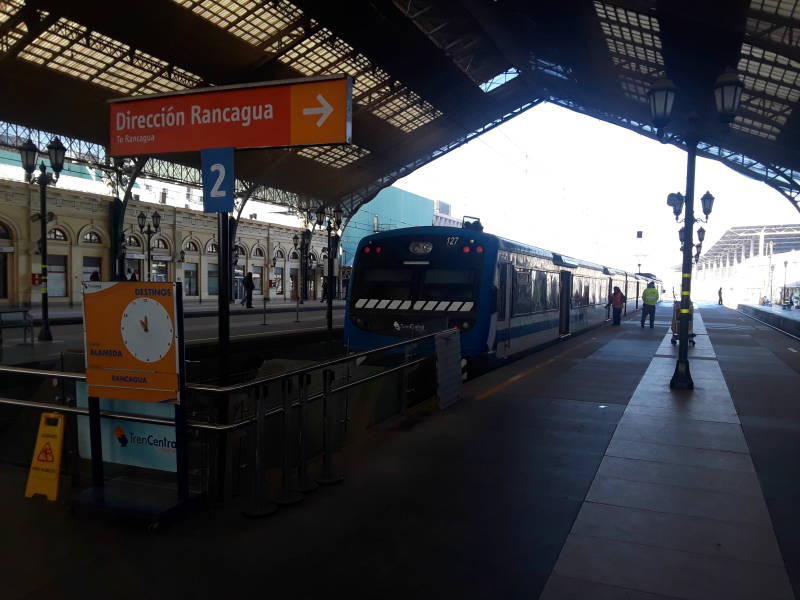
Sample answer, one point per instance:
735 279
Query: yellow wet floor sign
46 463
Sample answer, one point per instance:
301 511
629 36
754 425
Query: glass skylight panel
71 48
269 25
634 89
785 8
770 109
334 156
623 16
499 79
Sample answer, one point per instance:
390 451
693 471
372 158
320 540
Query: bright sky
566 182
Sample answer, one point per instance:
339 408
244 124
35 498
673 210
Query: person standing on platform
249 286
720 296
617 303
95 276
649 301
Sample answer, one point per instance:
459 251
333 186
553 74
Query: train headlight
465 325
420 248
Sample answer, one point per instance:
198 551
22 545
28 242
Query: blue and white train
505 297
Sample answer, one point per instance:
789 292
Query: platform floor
572 473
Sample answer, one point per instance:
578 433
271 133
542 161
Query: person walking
617 303
720 296
95 276
649 301
249 286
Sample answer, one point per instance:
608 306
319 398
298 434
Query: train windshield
402 283
448 284
389 283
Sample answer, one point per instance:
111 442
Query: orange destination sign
295 112
131 340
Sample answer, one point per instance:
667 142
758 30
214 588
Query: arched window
258 252
92 237
213 248
324 253
239 249
190 246
313 257
57 235
5 234
294 255
160 244
133 242
279 254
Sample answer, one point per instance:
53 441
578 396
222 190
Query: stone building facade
184 249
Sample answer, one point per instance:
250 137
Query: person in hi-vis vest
649 301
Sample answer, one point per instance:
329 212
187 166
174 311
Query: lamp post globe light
56 153
662 99
727 95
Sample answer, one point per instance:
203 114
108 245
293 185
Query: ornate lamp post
56 153
295 240
785 296
727 93
155 218
334 223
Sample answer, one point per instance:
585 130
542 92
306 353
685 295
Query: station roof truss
746 242
429 75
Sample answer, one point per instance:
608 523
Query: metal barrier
294 388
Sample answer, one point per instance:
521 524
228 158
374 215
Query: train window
553 290
577 292
448 284
539 292
384 284
521 298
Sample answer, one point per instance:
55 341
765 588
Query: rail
315 367
261 412
770 325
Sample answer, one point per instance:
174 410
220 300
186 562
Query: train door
565 303
503 335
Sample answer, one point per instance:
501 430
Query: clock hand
144 324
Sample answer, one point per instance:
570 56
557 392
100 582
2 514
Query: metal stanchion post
95 442
404 382
287 495
304 483
265 310
329 476
259 505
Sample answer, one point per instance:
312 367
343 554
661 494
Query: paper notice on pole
448 367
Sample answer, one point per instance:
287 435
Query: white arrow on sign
324 110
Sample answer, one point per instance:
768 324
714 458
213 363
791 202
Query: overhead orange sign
297 112
131 340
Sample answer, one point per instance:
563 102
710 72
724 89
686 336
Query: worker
649 301
617 302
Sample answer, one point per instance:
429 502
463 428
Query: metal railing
295 395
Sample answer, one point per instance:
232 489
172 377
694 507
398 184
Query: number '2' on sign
218 179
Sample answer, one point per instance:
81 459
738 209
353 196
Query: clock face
146 330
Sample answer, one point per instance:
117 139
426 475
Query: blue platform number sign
218 180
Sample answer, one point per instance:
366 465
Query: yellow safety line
525 373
